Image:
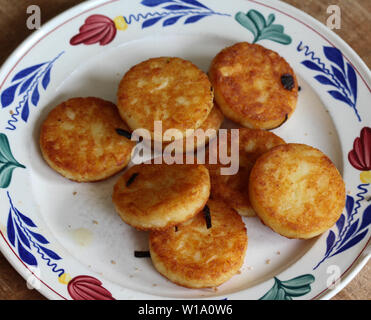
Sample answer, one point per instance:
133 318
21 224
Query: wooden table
355 26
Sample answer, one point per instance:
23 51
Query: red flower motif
360 156
88 288
97 28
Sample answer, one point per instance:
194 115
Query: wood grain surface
355 28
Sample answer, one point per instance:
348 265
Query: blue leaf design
10 229
339 75
38 237
26 238
26 256
35 96
25 72
26 84
352 78
50 253
352 242
25 219
7 97
195 3
150 22
349 205
23 237
171 21
345 82
194 19
340 223
46 79
366 219
324 80
25 112
154 3
311 65
352 229
334 55
177 7
330 241
339 96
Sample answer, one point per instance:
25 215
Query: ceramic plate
65 238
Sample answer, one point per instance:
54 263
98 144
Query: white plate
54 230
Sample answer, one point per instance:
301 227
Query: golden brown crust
197 257
79 141
233 189
171 90
161 195
213 121
247 85
297 191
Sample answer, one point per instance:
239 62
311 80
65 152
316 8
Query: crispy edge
77 177
230 111
170 223
272 220
203 280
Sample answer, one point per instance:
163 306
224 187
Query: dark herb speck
124 133
131 179
142 254
286 117
207 216
287 81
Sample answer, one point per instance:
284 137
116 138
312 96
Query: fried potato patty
79 141
171 90
195 256
249 85
213 122
297 191
233 189
157 196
